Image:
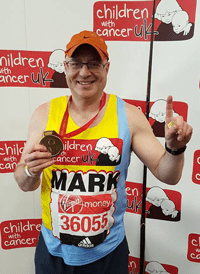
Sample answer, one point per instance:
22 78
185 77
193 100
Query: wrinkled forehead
85 51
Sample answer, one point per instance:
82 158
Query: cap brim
100 52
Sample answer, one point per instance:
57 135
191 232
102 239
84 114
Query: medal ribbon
73 133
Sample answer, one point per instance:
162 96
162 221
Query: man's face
84 82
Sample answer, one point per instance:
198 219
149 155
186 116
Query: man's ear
107 66
64 63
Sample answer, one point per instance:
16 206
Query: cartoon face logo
113 154
167 207
155 268
103 145
109 153
166 9
167 17
56 60
174 24
161 206
180 21
156 196
158 111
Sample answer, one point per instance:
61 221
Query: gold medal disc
53 143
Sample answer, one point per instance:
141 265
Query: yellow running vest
83 193
79 154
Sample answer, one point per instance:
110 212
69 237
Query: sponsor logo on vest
86 243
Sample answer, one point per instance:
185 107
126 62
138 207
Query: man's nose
84 71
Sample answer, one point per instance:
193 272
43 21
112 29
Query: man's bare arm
165 166
35 156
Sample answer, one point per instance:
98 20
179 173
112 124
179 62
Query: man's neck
87 104
85 109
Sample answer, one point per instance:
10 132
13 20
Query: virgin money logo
83 204
70 204
32 68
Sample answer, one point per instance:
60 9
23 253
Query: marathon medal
52 142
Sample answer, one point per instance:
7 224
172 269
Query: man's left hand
177 132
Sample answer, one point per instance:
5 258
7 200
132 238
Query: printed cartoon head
167 207
158 111
156 196
155 268
179 21
113 154
166 9
103 145
56 60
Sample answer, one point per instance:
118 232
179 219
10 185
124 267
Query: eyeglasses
92 65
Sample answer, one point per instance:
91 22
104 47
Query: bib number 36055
84 223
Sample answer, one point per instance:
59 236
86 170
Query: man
84 201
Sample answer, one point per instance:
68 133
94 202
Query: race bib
78 218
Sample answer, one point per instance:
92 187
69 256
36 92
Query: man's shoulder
136 118
131 109
44 108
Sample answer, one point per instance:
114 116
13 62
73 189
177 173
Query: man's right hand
37 158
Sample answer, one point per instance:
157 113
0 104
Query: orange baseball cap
87 37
